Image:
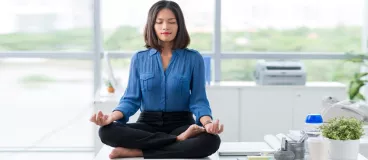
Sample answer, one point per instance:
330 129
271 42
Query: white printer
280 73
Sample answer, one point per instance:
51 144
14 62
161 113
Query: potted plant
110 88
357 81
343 137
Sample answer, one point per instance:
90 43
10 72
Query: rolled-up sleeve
199 104
130 102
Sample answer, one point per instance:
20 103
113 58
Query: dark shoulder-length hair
181 39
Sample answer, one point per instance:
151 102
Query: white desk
105 151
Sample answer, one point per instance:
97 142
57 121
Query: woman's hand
214 127
101 119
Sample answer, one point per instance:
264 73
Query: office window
366 40
123 23
331 70
39 26
121 70
45 103
317 70
291 25
237 70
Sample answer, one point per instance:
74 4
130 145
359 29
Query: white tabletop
105 151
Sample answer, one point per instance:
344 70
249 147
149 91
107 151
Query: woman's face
166 25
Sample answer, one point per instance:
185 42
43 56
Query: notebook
244 149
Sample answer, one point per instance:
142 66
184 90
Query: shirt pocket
146 80
181 84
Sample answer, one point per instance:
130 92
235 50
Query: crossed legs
139 139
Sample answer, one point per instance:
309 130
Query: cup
298 149
317 148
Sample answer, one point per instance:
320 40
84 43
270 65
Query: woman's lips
165 33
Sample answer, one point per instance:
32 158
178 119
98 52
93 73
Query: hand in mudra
214 127
101 119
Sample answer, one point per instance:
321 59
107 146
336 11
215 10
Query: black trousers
155 134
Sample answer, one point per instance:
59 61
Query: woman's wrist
205 119
116 115
207 122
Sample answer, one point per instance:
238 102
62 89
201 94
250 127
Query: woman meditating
167 83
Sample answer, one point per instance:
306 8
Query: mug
317 148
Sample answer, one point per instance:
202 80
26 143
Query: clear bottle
312 124
312 128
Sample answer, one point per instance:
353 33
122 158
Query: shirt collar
153 51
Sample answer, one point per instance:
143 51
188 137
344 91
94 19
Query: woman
166 82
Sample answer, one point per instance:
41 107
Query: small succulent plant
343 128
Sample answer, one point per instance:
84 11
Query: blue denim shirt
181 87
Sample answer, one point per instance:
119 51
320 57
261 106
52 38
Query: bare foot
120 152
192 131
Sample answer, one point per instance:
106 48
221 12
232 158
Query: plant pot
110 89
365 127
343 150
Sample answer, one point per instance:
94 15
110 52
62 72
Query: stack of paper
274 141
295 135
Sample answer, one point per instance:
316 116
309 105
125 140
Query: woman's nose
164 26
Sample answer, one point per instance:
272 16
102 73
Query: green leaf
354 88
360 75
356 60
360 97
